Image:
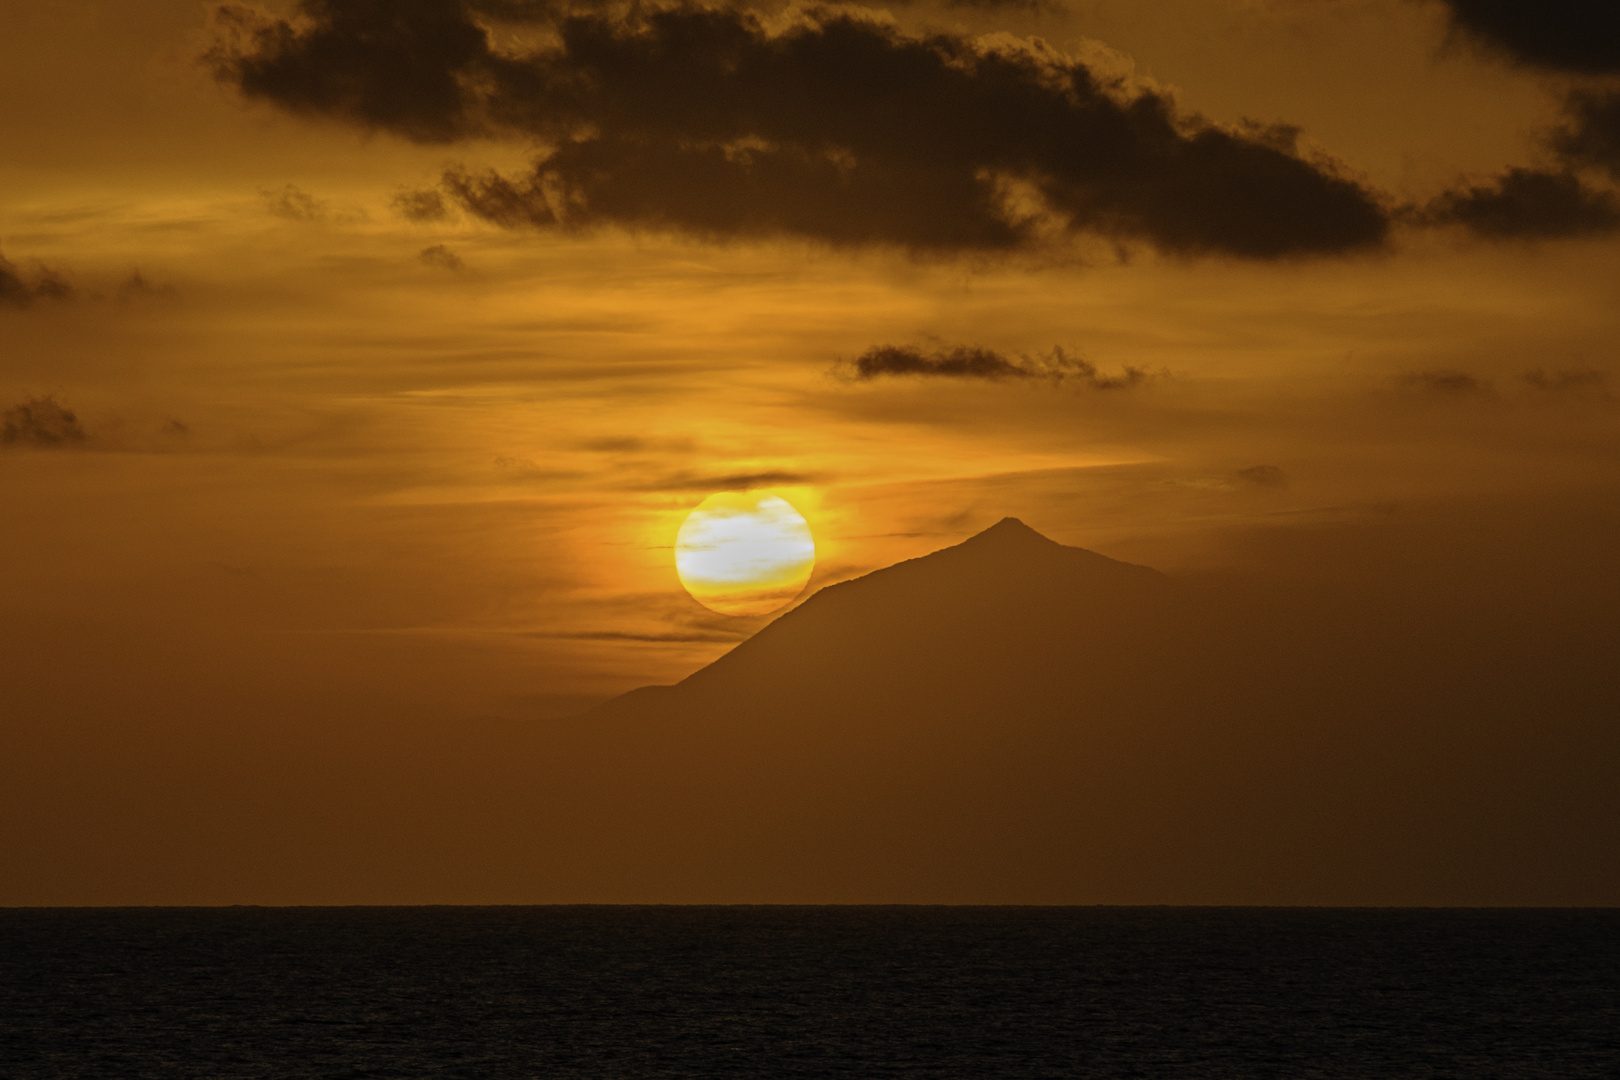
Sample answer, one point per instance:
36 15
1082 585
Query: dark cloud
1455 384
442 257
421 205
1527 204
39 422
1580 36
962 362
1263 476
636 444
838 128
19 292
493 197
1591 135
977 362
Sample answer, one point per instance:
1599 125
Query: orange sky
333 471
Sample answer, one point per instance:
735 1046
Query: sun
744 553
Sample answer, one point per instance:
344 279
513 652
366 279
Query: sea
962 992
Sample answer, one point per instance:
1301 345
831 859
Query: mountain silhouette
1014 720
1008 720
1008 615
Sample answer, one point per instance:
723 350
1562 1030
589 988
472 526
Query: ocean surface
971 993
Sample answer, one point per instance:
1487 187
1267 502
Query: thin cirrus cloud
978 362
738 481
837 127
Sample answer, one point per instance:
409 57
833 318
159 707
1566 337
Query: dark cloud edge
1523 204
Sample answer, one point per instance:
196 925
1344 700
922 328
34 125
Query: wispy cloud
17 291
40 422
421 205
736 481
442 257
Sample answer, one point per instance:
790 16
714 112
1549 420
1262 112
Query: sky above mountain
360 360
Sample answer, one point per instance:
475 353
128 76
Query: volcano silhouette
1012 720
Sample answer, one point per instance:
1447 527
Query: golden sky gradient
351 454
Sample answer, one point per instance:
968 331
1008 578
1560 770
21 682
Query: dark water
607 992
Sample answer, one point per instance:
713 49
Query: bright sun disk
744 553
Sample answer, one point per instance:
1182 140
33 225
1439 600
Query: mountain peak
1010 530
